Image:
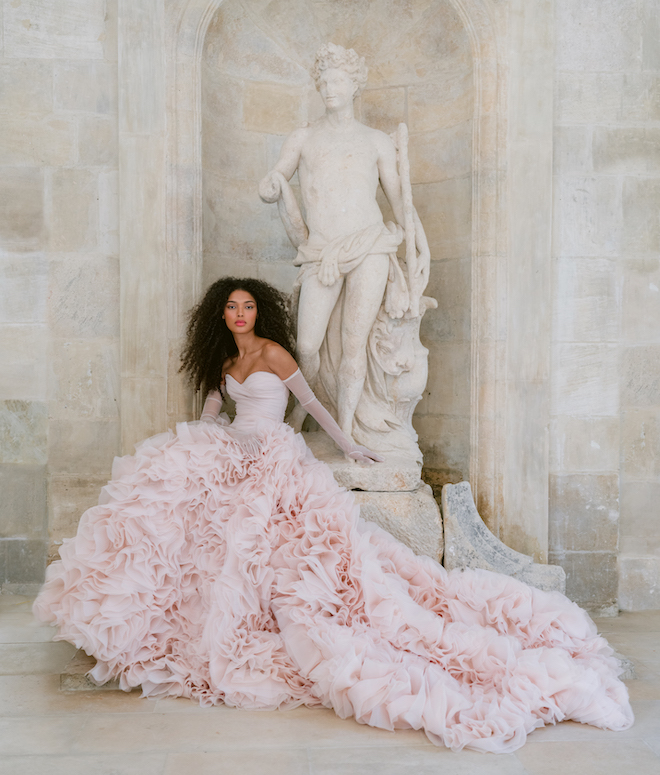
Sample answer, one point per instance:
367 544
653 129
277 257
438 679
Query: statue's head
333 57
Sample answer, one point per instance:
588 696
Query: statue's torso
338 174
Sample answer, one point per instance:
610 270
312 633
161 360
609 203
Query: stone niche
256 89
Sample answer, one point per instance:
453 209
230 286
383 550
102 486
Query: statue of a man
346 252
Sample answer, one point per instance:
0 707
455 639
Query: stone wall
605 431
257 89
59 280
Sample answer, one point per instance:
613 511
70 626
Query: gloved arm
302 391
211 410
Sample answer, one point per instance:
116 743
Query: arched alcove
256 88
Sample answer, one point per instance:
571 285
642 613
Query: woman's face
240 312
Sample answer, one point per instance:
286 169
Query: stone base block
394 475
411 517
469 544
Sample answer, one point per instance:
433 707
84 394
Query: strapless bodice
263 396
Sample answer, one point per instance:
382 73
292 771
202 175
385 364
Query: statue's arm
270 188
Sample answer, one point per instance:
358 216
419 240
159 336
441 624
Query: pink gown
225 564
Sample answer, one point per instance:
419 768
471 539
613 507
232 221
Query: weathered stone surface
445 209
24 362
26 87
640 378
21 208
83 297
571 150
68 498
640 306
584 444
639 534
71 30
584 512
109 212
23 502
626 150
97 141
585 379
640 444
587 216
469 544
23 432
393 475
441 155
435 105
25 563
411 517
584 98
591 579
89 87
445 442
639 583
586 293
271 108
23 289
83 446
74 218
450 285
35 141
448 381
383 109
641 225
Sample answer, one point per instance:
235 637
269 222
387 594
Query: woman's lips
240 322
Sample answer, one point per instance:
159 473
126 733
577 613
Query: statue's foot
297 418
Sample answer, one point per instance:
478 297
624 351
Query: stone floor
44 730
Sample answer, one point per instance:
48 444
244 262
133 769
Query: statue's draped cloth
376 424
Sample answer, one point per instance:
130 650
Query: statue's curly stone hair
333 56
209 342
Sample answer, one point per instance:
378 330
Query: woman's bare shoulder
279 360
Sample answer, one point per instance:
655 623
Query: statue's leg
315 306
365 289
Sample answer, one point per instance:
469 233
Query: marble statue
358 305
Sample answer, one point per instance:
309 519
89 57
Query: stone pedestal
469 544
391 494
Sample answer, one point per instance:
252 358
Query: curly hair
333 56
209 342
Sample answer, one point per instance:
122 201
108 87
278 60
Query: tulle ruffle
230 567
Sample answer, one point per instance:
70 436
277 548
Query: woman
224 563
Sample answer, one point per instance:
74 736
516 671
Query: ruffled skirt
237 571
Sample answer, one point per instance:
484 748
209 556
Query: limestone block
585 379
74 210
638 532
641 96
68 498
21 208
626 150
411 517
597 35
82 446
447 390
97 141
89 87
271 108
222 99
393 475
71 29
26 87
236 155
640 444
650 35
445 209
383 109
445 444
25 564
443 154
144 410
585 98
23 289
584 512
23 352
86 383
83 298
445 103
234 44
109 213
591 579
584 299
36 142
641 225
584 444
639 583
640 378
449 283
571 150
640 313
23 432
23 502
587 216
469 544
